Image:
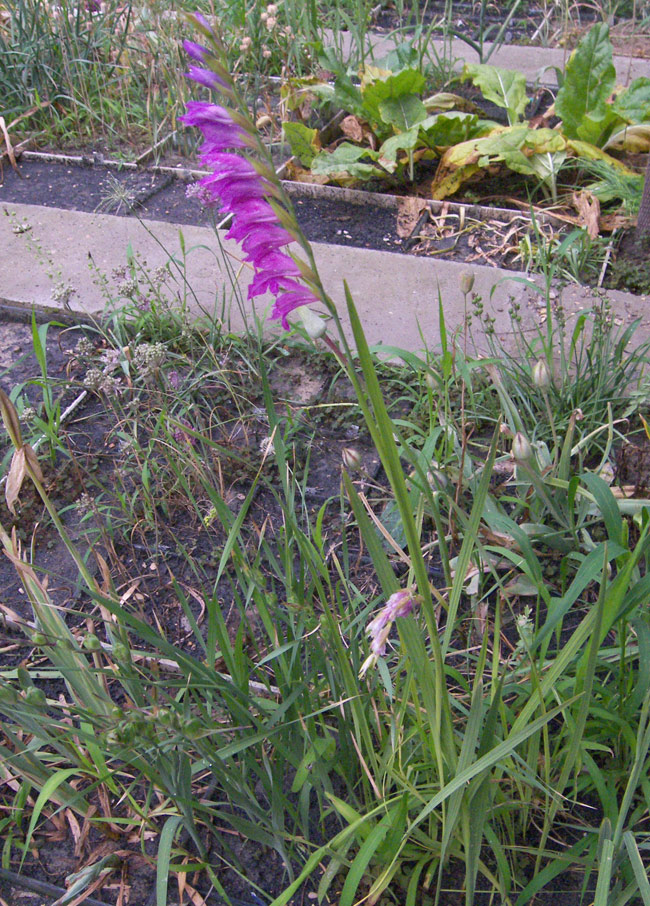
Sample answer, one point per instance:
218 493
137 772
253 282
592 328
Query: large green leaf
304 142
588 82
445 129
377 86
504 87
633 103
402 112
345 160
403 141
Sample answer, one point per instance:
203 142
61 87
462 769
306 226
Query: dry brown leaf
611 222
33 465
194 895
588 207
15 478
352 128
409 211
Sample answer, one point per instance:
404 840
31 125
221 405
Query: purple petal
196 51
264 239
289 300
274 270
225 165
202 113
205 77
200 18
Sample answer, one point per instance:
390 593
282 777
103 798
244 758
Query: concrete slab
46 251
537 63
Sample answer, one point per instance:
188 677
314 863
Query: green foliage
389 109
588 82
504 87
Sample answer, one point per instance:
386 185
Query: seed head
522 450
351 459
541 375
466 282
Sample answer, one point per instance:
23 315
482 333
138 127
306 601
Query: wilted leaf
15 478
591 152
295 173
10 419
513 145
32 463
632 138
352 128
588 207
504 87
409 211
447 100
304 142
588 82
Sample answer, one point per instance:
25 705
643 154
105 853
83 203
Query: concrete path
537 63
46 251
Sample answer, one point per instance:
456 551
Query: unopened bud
521 448
351 459
313 323
541 374
466 282
91 642
430 381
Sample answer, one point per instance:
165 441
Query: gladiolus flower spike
246 189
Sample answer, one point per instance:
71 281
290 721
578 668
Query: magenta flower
236 185
274 270
205 77
217 125
197 51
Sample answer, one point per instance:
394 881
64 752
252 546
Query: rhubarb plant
390 125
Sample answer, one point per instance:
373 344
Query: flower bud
351 459
521 448
314 325
91 642
466 282
541 374
121 652
35 697
430 381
